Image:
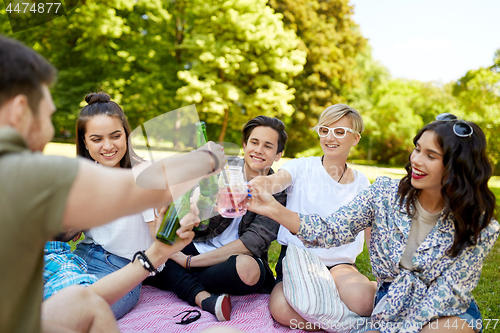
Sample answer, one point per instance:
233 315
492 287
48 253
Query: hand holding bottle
160 251
204 144
176 212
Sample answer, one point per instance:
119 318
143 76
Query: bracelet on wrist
145 262
188 261
213 160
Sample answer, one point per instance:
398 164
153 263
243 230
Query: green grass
487 295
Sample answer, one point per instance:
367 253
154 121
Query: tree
332 41
393 121
496 66
478 93
233 58
240 62
121 46
373 75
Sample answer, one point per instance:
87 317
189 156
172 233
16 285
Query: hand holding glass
232 198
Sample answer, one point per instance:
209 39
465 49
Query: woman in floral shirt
431 231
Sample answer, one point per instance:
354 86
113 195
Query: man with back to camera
42 195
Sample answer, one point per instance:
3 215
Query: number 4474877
474 324
34 8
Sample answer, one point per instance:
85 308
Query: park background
237 59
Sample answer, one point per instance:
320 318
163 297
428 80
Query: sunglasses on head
461 128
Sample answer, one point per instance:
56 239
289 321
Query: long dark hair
464 183
101 104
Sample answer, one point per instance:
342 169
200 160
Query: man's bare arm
100 194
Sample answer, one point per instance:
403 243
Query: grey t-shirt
421 225
33 193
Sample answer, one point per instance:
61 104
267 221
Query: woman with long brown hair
102 132
431 230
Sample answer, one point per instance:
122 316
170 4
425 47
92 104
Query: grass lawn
486 294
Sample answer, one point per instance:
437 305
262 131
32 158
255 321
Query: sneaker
218 305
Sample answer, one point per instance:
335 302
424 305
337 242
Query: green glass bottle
209 187
171 222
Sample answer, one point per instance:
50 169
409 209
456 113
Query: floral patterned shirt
438 285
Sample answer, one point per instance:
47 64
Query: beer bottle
171 222
208 186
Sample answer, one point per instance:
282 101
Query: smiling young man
230 256
263 145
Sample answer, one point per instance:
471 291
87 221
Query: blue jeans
471 315
101 263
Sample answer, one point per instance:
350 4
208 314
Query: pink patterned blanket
156 308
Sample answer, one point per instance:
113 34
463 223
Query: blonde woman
320 185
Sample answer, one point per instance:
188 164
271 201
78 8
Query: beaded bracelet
145 262
213 160
188 261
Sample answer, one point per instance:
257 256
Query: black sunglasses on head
461 128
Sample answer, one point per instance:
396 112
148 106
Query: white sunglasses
338 132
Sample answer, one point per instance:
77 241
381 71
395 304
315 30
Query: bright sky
430 40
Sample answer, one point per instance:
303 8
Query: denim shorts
471 316
101 263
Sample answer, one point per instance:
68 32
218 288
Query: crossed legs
356 291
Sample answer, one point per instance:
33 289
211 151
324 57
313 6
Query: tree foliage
234 59
242 62
118 46
332 41
237 59
478 93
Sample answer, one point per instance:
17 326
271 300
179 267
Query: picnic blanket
156 308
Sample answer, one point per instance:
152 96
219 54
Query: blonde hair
333 114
